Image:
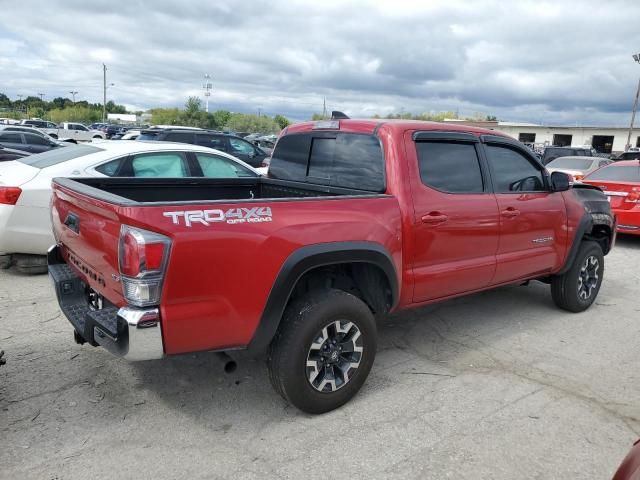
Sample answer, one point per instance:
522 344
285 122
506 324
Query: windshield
59 155
616 173
571 163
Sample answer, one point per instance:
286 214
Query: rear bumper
132 333
628 221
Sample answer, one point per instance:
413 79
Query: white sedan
25 184
577 167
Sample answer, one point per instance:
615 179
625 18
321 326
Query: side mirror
560 182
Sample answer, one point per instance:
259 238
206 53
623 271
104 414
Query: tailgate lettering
231 216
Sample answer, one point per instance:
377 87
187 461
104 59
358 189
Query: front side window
159 165
450 167
242 147
82 128
214 166
35 139
512 171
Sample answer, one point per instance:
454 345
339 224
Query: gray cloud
556 62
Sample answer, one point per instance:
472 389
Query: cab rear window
59 155
614 173
347 160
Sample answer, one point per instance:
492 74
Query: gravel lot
500 385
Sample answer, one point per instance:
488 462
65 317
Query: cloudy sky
557 62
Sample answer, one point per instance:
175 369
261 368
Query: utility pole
41 95
73 93
259 109
104 92
636 57
207 86
324 108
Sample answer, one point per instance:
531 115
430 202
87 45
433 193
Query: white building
603 139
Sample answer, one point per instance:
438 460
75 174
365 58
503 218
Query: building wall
580 135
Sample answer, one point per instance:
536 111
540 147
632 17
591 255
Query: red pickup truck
358 218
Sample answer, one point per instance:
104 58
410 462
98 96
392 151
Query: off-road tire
566 288
301 324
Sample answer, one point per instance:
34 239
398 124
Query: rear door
532 218
245 151
455 225
13 140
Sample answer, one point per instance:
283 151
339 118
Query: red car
358 218
620 182
629 469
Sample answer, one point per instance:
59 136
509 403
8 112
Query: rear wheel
578 287
323 350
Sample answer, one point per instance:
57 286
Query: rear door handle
434 218
510 212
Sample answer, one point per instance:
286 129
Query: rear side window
616 173
182 137
345 160
110 168
59 155
10 138
210 141
161 164
450 167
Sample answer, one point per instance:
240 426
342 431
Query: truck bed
220 273
133 191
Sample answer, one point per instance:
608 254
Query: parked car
97 126
620 181
231 144
131 134
552 152
8 121
38 123
7 154
630 155
74 132
25 184
29 142
25 129
577 167
359 218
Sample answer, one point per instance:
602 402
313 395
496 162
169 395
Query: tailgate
88 231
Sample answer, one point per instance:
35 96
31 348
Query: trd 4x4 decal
231 216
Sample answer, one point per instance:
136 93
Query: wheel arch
356 260
595 227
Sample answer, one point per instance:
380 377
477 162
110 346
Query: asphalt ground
498 385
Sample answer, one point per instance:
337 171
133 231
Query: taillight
142 258
633 197
10 195
578 178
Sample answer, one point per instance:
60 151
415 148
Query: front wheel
577 288
323 350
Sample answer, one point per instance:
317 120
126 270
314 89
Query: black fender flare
585 226
307 258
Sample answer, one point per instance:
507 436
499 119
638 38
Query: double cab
356 219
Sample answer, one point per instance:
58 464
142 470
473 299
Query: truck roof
370 125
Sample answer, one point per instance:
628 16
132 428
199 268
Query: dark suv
231 144
551 153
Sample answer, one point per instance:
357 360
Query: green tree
282 121
4 100
193 105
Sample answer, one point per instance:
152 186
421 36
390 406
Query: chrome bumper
132 333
